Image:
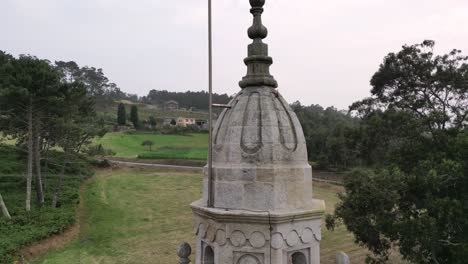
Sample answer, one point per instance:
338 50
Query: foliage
121 115
433 87
413 127
188 99
422 213
182 153
97 84
43 221
152 121
134 116
330 136
148 143
180 130
98 150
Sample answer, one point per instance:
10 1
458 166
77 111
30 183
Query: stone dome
259 155
260 128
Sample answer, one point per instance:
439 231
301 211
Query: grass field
192 146
140 216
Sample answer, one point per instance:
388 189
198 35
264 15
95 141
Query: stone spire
258 62
263 207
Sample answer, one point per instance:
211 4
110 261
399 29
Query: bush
101 163
98 150
175 153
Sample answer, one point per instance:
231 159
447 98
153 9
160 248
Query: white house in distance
186 121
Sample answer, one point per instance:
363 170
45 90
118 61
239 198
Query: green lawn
140 216
194 146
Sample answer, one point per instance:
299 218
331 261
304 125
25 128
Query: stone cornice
260 217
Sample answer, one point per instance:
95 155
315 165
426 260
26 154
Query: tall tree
42 106
134 116
417 201
152 121
433 87
121 115
74 127
28 88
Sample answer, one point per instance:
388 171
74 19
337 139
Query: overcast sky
324 52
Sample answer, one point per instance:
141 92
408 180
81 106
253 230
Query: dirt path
133 163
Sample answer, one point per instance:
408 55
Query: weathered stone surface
257 239
221 237
183 252
237 238
248 233
292 238
342 258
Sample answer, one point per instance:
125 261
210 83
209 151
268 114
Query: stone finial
257 30
258 62
183 251
342 258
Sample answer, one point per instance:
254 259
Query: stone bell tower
263 209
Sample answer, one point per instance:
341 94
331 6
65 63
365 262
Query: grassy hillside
145 111
126 219
194 146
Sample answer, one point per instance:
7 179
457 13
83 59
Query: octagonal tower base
254 237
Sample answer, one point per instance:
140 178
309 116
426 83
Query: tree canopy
94 79
413 130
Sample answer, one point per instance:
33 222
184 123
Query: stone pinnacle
258 62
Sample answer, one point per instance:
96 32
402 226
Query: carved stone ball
184 250
257 3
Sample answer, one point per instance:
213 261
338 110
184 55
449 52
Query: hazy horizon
324 53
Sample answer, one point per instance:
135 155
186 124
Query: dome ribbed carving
258 118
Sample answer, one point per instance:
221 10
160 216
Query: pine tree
134 116
121 115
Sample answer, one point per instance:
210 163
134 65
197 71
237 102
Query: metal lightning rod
210 107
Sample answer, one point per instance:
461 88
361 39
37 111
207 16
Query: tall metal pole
210 107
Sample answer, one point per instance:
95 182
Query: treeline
188 99
330 136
